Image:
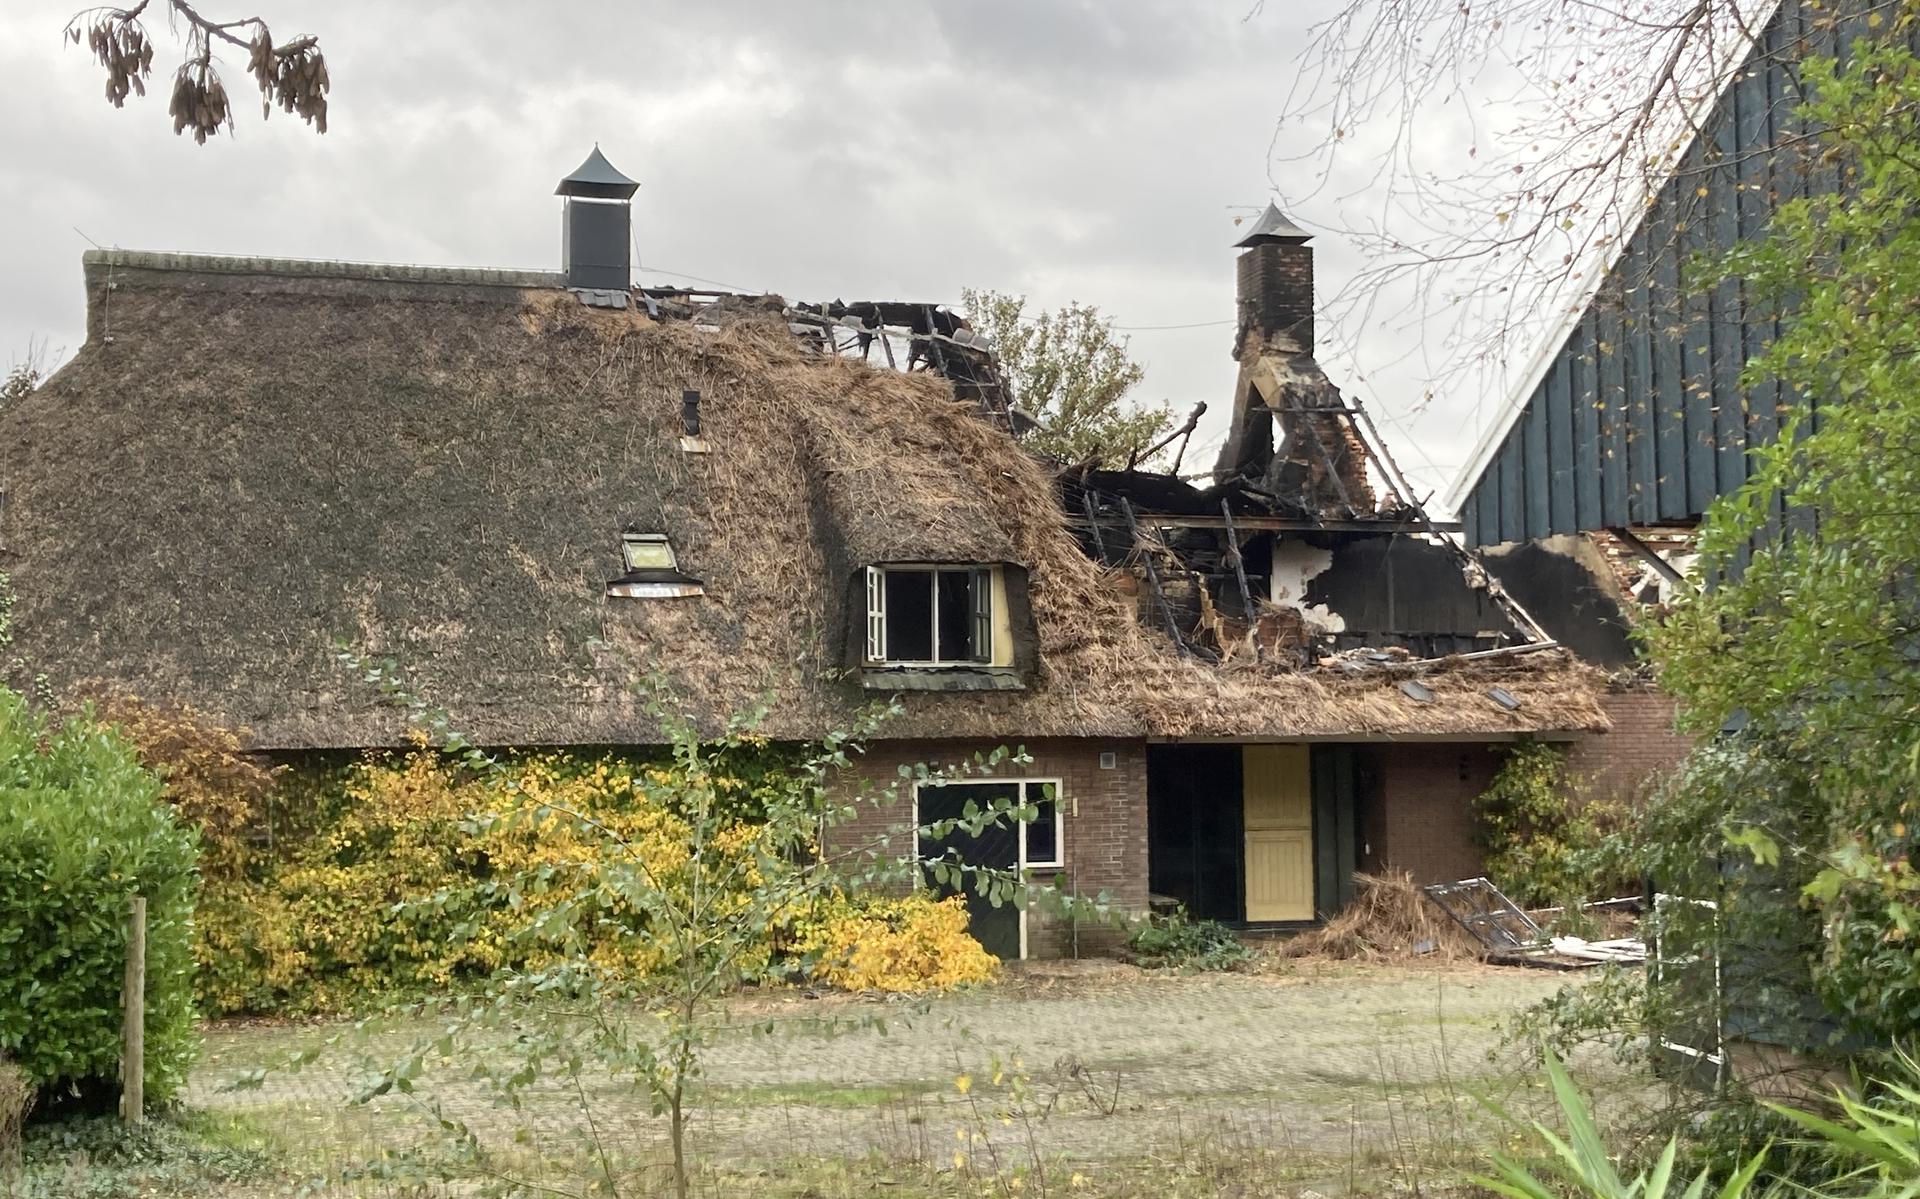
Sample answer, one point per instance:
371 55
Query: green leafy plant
1543 841
1807 637
1581 1163
99 1157
1871 1142
82 831
1173 940
1070 370
1866 1145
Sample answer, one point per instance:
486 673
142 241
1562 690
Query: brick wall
1420 817
1103 820
1417 800
1618 765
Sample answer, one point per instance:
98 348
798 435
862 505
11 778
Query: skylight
653 570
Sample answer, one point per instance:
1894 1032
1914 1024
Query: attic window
653 571
931 615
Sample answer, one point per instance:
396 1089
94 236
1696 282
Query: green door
997 847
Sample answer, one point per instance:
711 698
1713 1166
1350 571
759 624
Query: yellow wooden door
1277 794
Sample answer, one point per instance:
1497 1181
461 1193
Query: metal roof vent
690 439
596 228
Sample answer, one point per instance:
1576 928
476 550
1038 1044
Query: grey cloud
1091 150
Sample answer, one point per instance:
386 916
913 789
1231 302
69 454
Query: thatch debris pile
1390 920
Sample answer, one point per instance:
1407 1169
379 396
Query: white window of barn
931 615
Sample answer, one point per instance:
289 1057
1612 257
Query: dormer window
653 571
933 615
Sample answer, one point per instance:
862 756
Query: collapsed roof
251 460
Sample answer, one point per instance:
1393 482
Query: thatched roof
250 460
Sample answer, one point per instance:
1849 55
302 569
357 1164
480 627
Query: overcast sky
1096 150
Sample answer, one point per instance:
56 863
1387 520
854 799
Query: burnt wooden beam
1292 524
1646 552
1239 568
1093 523
1153 576
1186 430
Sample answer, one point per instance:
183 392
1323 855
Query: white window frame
980 592
1059 832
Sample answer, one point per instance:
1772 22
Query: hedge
83 829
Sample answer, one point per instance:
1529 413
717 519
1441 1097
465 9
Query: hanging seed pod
294 76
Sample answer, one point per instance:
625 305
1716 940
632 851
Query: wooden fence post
133 1029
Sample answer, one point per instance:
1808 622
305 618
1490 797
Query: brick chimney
1319 463
1276 286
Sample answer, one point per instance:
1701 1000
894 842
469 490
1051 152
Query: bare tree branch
293 75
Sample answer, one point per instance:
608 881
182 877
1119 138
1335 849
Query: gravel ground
1331 1064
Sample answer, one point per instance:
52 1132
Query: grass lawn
1105 1083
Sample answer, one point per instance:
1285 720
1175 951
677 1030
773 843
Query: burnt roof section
1274 228
424 462
597 179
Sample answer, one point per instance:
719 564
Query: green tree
1812 643
1069 370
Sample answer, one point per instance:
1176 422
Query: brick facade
1416 801
1619 765
1415 805
1416 808
1103 823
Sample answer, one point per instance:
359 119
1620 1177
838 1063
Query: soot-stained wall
1387 587
1564 584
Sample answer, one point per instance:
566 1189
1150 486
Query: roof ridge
318 268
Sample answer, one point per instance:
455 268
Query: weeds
100 1158
1178 942
1102 1098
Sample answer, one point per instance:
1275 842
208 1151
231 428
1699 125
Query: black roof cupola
1274 228
596 231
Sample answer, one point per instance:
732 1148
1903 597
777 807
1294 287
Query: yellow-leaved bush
909 943
410 874
397 895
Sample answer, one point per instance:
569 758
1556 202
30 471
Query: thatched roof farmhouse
533 494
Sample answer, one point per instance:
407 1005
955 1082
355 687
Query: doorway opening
1257 834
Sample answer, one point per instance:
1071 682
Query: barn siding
1641 417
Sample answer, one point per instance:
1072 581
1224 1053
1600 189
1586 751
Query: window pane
956 615
909 616
647 553
981 646
1043 835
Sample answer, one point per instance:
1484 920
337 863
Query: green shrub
1176 941
1544 842
82 831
